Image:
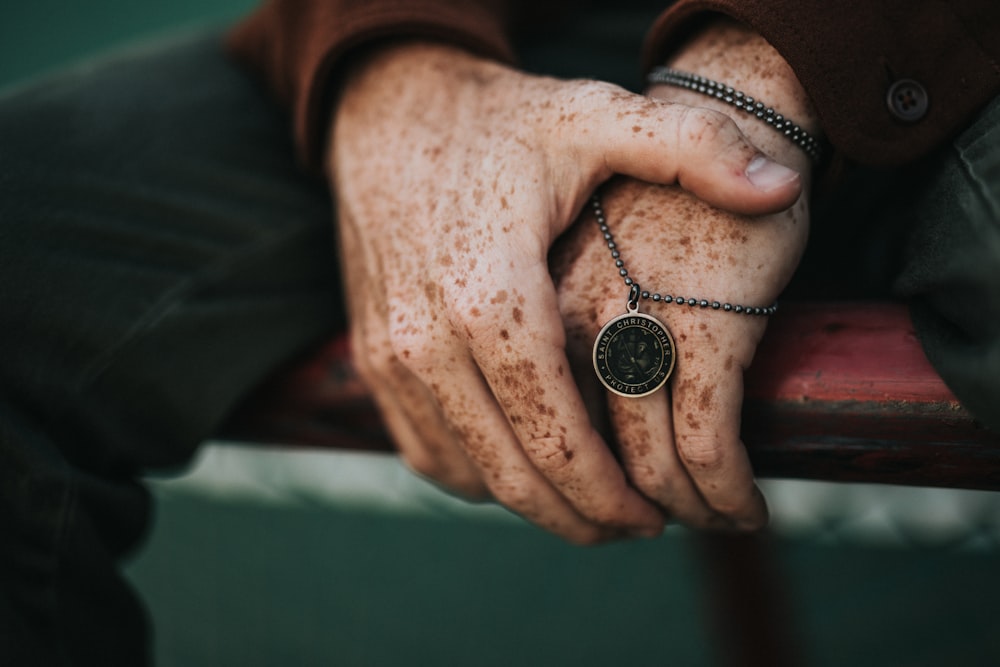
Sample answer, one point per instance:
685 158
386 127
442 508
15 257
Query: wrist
400 77
733 54
399 88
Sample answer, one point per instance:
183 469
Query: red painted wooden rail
839 392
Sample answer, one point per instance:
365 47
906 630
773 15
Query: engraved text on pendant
634 354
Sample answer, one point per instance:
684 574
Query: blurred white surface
827 512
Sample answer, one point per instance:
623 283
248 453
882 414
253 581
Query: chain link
636 291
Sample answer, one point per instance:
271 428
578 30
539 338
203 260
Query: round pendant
634 354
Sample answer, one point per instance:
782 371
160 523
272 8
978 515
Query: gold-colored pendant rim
634 354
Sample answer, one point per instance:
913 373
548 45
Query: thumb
701 150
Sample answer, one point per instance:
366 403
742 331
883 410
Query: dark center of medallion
633 355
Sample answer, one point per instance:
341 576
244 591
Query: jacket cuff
299 47
849 55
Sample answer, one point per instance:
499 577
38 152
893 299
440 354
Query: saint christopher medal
634 354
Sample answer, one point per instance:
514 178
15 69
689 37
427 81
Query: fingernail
767 175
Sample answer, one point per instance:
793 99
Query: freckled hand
446 397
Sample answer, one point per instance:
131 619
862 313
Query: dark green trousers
160 252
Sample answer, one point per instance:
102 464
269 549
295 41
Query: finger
424 440
644 430
701 150
707 401
579 351
469 405
529 374
441 362
409 411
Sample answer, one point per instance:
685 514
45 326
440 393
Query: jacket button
907 100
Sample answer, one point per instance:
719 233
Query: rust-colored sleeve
297 46
849 54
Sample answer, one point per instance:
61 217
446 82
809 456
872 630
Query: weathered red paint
834 352
838 391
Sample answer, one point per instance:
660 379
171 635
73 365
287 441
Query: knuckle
653 483
701 454
701 128
550 453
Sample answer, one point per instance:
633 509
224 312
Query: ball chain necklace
634 353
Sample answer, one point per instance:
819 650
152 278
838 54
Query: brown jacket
848 54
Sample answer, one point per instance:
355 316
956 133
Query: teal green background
39 35
251 584
241 583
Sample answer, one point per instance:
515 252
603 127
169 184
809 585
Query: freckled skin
453 177
705 398
639 434
712 346
431 290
